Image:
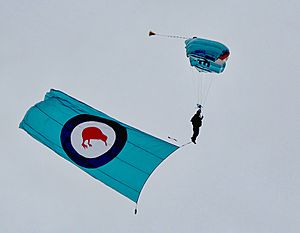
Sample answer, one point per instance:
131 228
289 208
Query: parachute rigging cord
207 91
198 87
202 87
174 139
168 36
180 146
185 144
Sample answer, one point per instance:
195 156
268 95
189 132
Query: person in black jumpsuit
197 123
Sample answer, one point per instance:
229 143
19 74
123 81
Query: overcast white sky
243 176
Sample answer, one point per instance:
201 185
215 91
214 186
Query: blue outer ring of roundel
102 159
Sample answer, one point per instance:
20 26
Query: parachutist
197 123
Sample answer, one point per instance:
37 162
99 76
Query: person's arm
193 119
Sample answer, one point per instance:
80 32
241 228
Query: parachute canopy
117 154
206 55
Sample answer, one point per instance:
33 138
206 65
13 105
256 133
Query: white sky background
243 176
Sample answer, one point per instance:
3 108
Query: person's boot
193 140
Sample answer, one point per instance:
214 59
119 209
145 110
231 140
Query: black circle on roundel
65 138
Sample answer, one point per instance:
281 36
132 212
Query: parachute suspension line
203 87
198 85
200 89
168 36
207 91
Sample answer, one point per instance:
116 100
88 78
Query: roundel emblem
92 141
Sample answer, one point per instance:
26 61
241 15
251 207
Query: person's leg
195 134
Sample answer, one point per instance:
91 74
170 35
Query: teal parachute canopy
206 55
113 152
